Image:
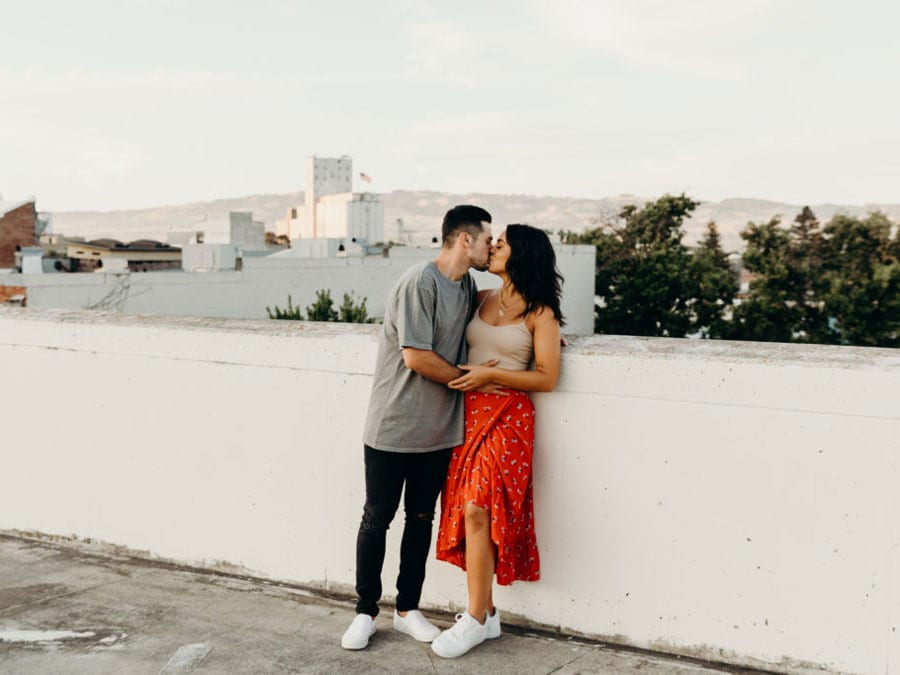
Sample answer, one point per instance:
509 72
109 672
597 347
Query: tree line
832 284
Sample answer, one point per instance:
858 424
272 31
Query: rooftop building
18 228
143 255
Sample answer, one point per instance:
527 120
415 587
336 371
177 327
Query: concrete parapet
729 501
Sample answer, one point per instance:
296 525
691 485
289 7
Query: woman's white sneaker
493 624
357 635
461 637
416 625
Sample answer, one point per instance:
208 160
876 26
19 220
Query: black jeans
386 473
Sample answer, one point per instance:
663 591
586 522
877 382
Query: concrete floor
68 610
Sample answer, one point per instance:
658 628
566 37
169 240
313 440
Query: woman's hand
493 388
474 378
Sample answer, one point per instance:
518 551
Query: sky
118 104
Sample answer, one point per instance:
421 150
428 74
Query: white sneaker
358 634
457 640
493 624
416 625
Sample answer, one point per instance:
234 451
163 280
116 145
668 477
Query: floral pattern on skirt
492 469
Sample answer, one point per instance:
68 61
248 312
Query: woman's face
500 252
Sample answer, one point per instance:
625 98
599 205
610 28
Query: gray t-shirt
408 412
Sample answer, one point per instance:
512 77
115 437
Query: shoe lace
464 625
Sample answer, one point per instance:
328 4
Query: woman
487 515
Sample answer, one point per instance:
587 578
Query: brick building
18 221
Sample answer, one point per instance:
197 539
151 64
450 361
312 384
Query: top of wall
617 346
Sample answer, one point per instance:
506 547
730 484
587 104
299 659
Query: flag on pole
365 177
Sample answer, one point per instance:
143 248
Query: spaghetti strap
477 313
483 300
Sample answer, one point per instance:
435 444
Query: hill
421 213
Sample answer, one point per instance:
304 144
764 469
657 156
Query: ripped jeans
386 473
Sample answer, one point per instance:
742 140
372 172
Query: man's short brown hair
463 218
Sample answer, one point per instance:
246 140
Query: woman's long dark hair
532 269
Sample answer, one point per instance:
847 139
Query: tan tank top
513 345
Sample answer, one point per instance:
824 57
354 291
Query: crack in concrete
51 598
568 663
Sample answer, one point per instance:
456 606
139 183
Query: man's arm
429 364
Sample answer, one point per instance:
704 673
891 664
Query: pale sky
112 104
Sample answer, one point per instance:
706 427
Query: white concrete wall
248 234
267 281
365 216
217 230
289 226
237 228
208 257
331 215
330 175
351 215
732 501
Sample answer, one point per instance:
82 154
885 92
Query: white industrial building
237 228
332 210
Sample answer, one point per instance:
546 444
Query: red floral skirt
492 469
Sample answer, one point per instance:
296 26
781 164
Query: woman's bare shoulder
541 316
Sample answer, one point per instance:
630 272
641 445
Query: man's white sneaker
493 625
358 634
460 638
416 625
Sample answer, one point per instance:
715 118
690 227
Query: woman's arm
546 362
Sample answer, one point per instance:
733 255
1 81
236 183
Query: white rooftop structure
237 228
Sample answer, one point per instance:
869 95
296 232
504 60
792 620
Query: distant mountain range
421 213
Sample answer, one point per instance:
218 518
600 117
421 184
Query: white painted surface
32 264
267 281
351 215
42 636
237 229
208 257
727 500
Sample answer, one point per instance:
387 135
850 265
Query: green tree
353 313
768 312
323 308
648 282
895 245
838 285
291 313
714 283
642 269
862 282
804 263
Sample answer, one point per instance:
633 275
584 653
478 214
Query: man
414 420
